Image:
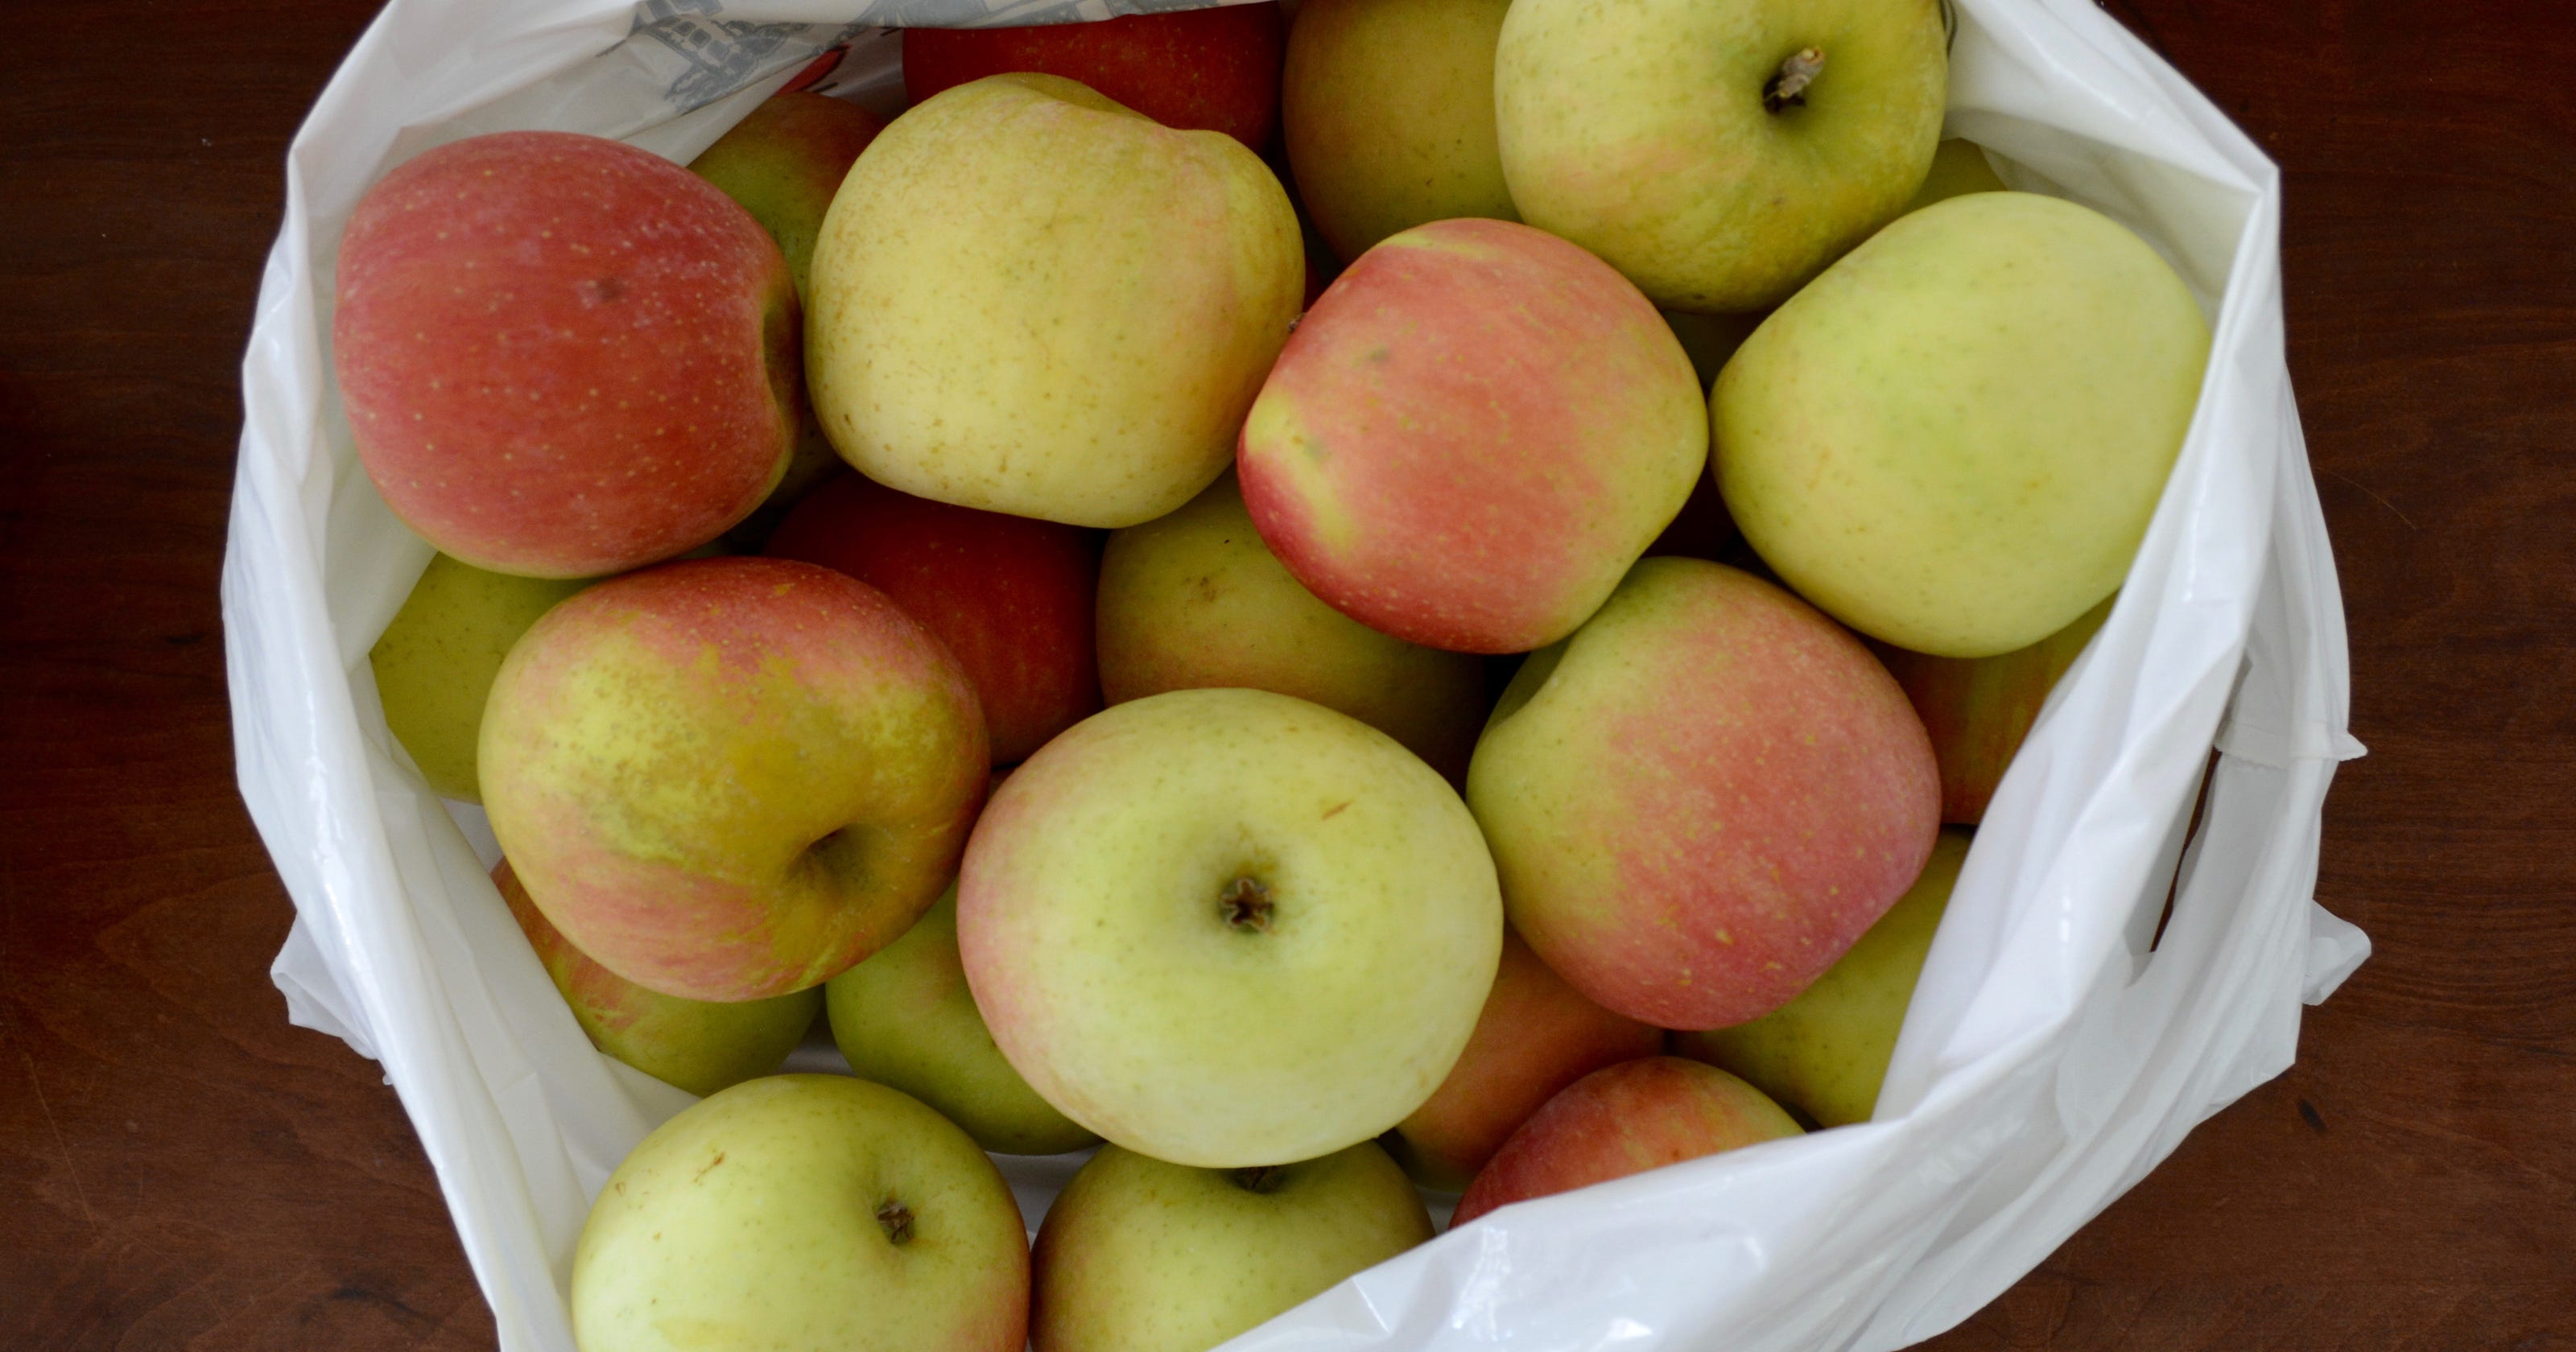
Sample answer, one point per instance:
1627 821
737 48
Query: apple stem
1789 88
897 1220
1246 905
1260 1177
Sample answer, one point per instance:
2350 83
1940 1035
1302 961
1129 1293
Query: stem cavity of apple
896 1218
1245 904
1788 89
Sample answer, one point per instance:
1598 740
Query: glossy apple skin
729 779
1536 1036
1142 1256
435 662
767 1216
1703 798
697 1045
1627 1119
1211 69
1195 600
1009 595
1094 919
1827 1051
1979 709
1471 436
563 356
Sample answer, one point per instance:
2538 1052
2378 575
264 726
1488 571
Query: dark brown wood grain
180 1168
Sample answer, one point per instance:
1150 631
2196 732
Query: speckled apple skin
562 356
1091 923
728 779
752 1220
1699 801
1471 436
1632 1117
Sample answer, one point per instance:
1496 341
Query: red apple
1536 1036
1627 1119
1011 596
1471 436
1978 709
1196 69
562 356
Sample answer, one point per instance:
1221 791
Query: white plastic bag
2049 1059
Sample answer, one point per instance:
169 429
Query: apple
729 779
803 1211
1958 168
435 662
1718 152
1699 801
562 356
1195 600
905 1018
1536 1036
1978 709
697 1045
1471 436
783 162
1827 1051
1028 299
1953 440
1228 927
1011 597
1213 69
1388 110
1624 1120
1142 1256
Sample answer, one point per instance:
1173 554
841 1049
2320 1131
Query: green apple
804 1213
698 1045
1954 439
1978 709
905 1018
1229 927
1387 107
1195 600
1827 1050
1958 168
1143 1256
1718 152
1028 299
435 663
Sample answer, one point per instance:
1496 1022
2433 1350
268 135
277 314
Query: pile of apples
1420 783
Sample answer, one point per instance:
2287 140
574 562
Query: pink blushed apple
1625 1120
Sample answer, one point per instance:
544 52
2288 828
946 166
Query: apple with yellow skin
435 662
1028 299
1627 1119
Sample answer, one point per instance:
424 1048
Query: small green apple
1143 1256
1827 1050
905 1018
1958 169
803 1212
435 663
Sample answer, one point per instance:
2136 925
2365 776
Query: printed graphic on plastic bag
2049 1059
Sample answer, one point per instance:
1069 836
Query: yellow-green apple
1629 1118
1978 709
1536 1036
1195 600
563 356
1718 152
1142 1256
1958 168
803 1212
1214 69
1229 927
731 778
435 663
1388 108
783 161
1702 799
905 1018
1010 596
1471 436
699 1045
1953 440
1827 1051
1028 299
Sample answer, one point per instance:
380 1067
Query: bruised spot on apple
1624 1120
1210 69
727 779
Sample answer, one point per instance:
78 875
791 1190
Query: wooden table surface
181 1168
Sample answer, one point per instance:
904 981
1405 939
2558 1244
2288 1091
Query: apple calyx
896 1218
1246 905
1788 89
1261 1178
